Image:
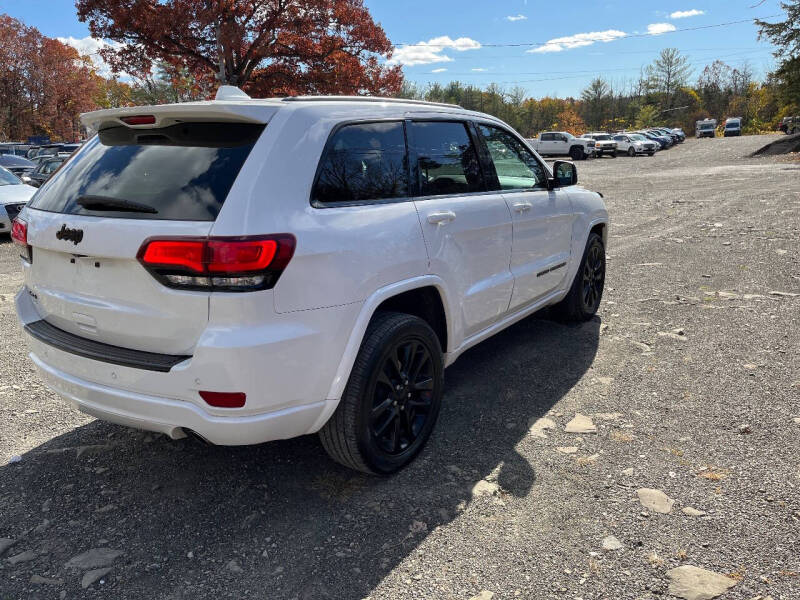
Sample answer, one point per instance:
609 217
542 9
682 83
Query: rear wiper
108 203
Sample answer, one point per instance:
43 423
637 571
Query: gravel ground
690 375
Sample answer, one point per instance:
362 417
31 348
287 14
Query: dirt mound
790 143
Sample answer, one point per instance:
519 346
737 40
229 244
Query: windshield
732 126
602 137
8 178
706 126
637 137
184 171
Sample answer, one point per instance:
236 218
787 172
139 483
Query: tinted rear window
363 162
184 171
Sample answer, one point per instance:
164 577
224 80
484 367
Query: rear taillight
218 264
19 234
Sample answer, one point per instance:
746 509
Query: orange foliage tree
268 47
44 84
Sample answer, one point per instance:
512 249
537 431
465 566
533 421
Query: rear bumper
284 367
174 417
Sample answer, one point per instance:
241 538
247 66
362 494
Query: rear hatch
88 223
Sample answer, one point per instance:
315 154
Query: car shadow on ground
296 524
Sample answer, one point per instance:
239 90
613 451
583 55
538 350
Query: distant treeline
663 94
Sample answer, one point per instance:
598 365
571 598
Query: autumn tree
44 84
268 47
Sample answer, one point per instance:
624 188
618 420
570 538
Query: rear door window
183 172
447 161
363 162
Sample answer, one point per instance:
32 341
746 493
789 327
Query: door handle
522 207
440 218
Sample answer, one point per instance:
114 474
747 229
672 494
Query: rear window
183 172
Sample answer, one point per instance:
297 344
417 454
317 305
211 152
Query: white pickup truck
562 143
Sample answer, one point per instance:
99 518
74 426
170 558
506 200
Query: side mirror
564 174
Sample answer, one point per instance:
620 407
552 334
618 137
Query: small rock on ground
5 544
694 583
94 559
610 543
91 576
693 512
233 566
655 500
538 427
26 556
567 449
485 488
484 595
38 579
580 424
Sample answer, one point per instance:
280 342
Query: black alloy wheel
402 397
593 277
392 399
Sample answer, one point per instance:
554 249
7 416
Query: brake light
139 120
224 399
19 232
218 264
19 235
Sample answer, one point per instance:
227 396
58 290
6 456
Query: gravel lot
691 376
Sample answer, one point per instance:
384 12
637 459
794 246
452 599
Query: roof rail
366 99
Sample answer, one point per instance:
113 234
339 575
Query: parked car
663 143
705 128
21 167
681 133
635 143
13 196
15 148
676 139
790 125
562 143
666 138
45 169
603 144
187 300
733 127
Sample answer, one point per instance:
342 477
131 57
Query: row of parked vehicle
23 168
34 164
598 144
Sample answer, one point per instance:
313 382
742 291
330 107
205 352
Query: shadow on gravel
297 525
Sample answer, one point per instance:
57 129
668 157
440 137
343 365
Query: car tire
651 154
631 151
378 427
583 299
577 153
614 154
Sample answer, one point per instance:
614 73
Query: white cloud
439 70
659 28
91 47
682 14
425 53
513 18
479 70
578 40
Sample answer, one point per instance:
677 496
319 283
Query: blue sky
563 45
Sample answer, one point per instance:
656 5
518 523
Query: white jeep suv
252 270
